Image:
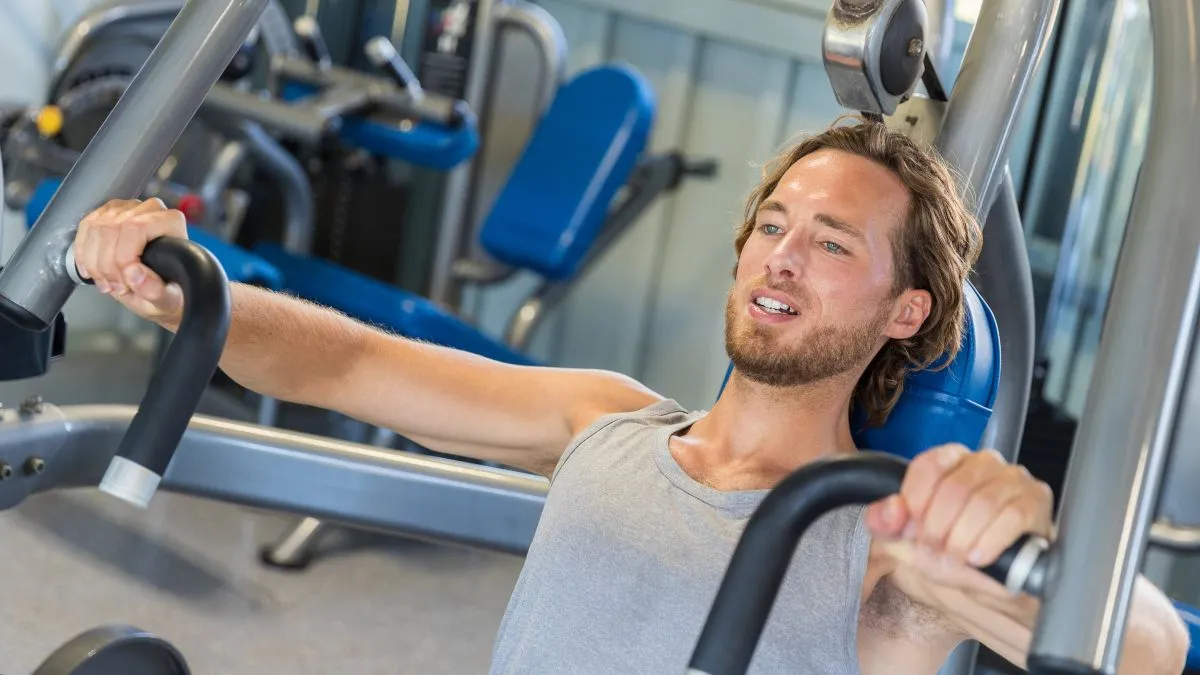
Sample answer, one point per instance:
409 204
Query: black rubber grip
764 552
188 366
999 569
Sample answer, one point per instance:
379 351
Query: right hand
108 250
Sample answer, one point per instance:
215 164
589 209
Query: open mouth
772 306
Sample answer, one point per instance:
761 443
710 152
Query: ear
912 308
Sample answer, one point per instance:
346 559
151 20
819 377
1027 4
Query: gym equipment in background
1131 426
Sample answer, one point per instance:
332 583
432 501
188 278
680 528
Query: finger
151 205
145 283
110 209
981 509
137 231
105 264
954 491
1028 513
88 254
923 475
81 249
887 517
162 223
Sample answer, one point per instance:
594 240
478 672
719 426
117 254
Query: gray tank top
630 551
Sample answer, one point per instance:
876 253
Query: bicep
464 404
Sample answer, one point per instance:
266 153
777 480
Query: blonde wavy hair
934 251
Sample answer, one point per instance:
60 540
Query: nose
785 259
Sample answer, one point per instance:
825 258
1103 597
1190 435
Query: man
851 261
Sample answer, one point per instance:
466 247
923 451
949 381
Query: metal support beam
346 483
1130 416
126 150
1003 276
1006 46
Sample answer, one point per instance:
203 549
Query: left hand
957 511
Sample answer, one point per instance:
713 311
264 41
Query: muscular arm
1155 640
286 348
956 511
450 401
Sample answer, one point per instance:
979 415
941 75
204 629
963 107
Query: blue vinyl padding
950 405
427 144
581 153
1191 619
239 264
383 305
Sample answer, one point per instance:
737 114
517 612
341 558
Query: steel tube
1004 277
1129 418
1006 45
128 148
337 481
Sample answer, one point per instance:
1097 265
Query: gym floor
187 569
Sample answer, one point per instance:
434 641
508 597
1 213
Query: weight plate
115 650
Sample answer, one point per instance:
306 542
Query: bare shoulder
896 633
598 393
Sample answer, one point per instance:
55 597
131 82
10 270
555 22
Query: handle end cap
129 481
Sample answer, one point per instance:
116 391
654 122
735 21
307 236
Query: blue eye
833 248
771 229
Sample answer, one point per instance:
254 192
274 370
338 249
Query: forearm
1155 641
287 348
448 400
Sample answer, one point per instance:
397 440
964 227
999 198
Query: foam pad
1191 619
580 154
950 405
382 305
239 264
425 144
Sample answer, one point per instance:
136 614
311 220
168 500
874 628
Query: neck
775 429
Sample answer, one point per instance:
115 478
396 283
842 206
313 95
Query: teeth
773 305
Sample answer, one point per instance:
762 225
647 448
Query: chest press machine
1114 479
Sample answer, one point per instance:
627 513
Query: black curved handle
188 366
764 551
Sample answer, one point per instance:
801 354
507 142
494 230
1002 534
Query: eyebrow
823 218
840 225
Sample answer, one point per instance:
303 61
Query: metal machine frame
1129 425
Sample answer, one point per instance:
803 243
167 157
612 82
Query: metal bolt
32 405
915 46
34 466
5 471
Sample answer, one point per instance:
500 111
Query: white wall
734 80
29 36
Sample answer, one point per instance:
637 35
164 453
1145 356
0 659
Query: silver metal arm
1004 277
348 483
127 149
1006 45
547 36
1131 411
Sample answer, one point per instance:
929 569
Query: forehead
846 186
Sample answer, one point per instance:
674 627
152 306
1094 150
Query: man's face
814 295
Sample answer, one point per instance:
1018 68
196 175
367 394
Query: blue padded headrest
583 150
947 405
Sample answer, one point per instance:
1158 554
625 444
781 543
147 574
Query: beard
823 353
